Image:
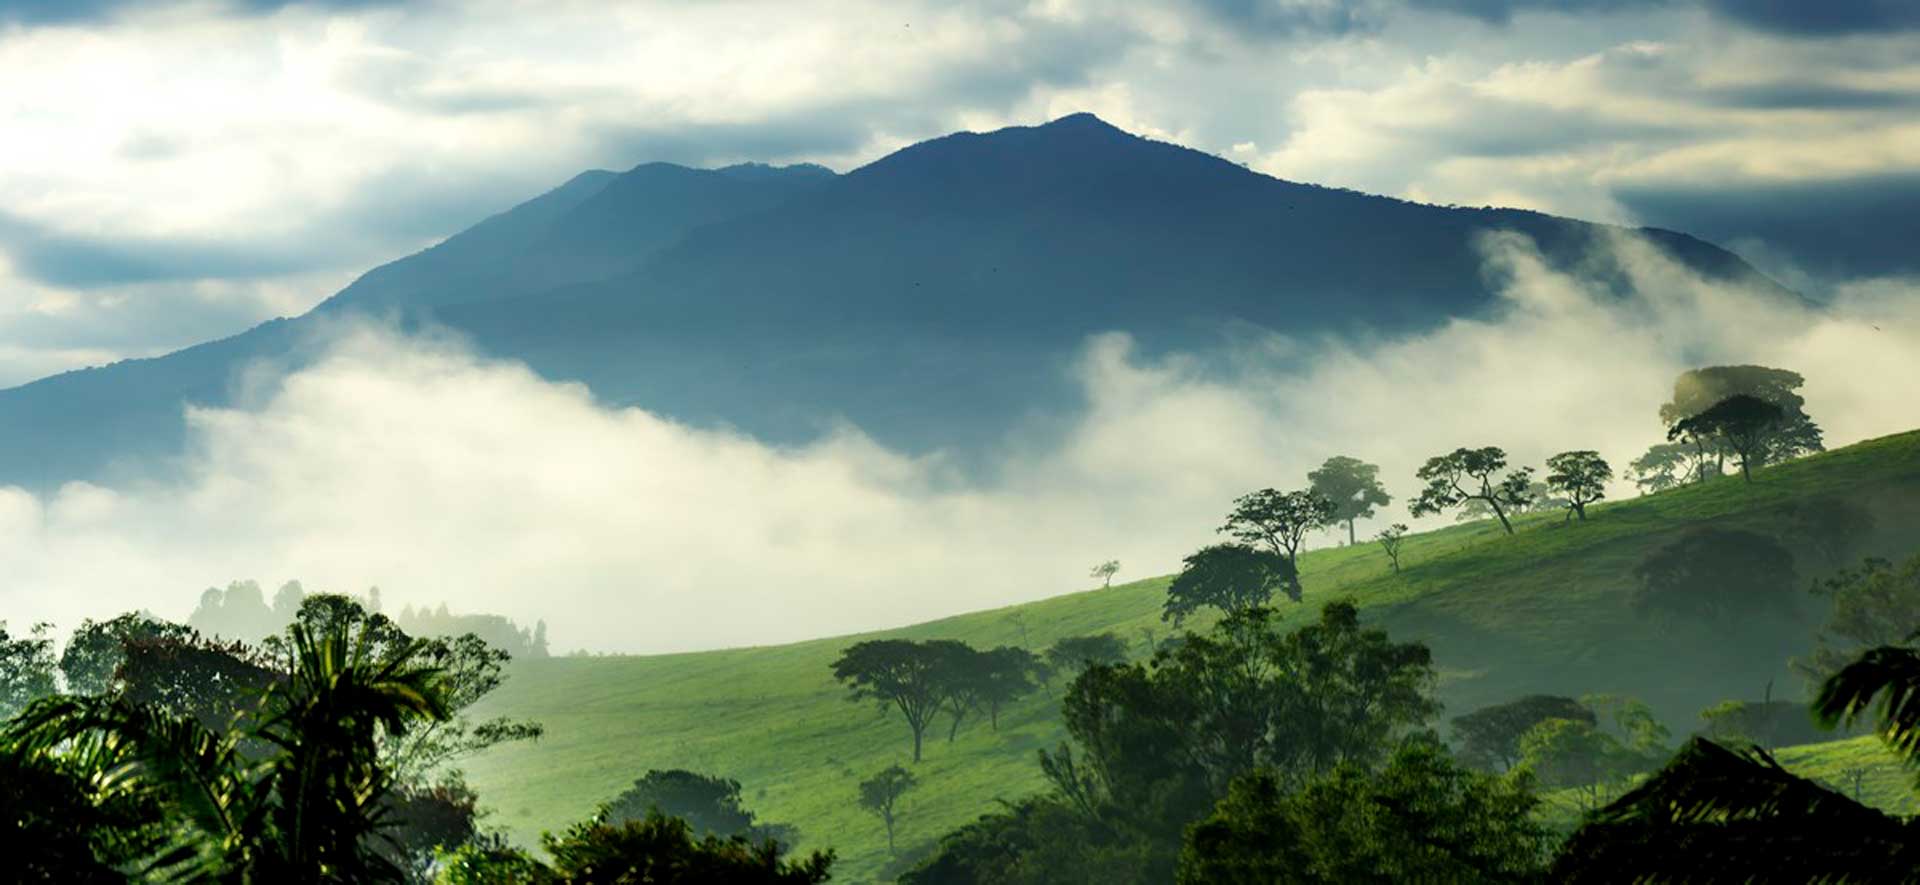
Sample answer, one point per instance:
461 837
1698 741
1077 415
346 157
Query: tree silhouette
896 673
1580 475
881 794
1390 539
1105 571
1353 486
1465 475
1742 424
1278 522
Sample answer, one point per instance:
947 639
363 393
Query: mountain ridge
933 297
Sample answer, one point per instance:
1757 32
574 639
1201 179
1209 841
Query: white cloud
413 465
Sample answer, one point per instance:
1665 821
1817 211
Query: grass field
1544 610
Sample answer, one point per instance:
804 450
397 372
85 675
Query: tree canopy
1354 488
1466 475
1581 476
1230 578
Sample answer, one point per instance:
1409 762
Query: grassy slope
1543 611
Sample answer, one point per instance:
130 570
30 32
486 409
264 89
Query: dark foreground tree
1467 475
661 850
1230 578
1354 488
310 804
710 805
896 674
27 668
1581 477
1421 818
880 796
1489 738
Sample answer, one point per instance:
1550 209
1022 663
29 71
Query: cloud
412 464
40 12
1823 17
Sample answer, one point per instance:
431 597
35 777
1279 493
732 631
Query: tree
1421 818
27 669
1698 390
881 794
96 649
1105 571
1390 539
1716 575
707 804
1007 674
1473 475
310 804
896 673
1576 755
1668 465
1741 424
1877 604
1228 577
1073 654
1489 738
1279 522
1582 476
664 850
1353 486
238 613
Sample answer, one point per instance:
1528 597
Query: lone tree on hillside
1390 538
1353 486
1105 571
1229 577
1278 522
881 794
1742 425
1472 475
1581 476
896 673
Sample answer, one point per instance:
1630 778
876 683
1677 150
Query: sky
178 171
174 172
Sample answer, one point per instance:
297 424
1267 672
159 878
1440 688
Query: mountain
1547 610
931 297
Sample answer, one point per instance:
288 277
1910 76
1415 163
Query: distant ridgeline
242 612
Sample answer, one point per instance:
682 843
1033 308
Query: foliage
1228 577
1489 738
664 850
1714 814
60 828
1002 676
97 648
1390 540
709 805
426 820
1354 488
1883 683
495 630
27 669
897 673
1767 724
239 613
1105 571
1153 748
1073 654
1421 818
1699 390
1742 425
1581 476
1873 605
1669 465
1278 522
1465 475
1716 575
881 794
310 807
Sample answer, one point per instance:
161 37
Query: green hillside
1542 611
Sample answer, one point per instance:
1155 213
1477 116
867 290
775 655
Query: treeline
241 612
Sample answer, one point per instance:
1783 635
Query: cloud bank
411 464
